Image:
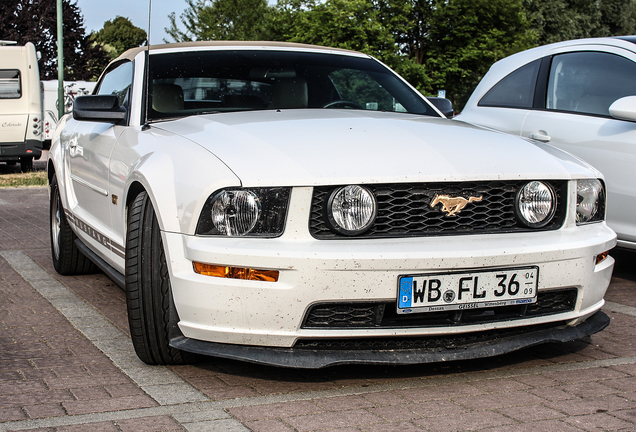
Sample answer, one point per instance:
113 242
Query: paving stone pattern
67 364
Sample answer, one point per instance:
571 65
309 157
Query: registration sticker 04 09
467 290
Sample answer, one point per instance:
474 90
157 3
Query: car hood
313 147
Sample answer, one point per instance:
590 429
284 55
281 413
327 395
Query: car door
574 116
89 150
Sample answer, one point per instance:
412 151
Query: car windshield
186 83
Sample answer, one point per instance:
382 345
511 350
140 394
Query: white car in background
579 96
304 206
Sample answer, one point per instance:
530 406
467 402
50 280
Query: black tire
12 163
152 317
67 258
26 164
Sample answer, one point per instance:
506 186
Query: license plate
467 290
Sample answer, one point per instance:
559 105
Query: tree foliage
559 20
221 20
466 37
119 35
36 21
434 44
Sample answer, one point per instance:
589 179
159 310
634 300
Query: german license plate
467 290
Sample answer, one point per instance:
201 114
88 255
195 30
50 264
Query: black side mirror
98 108
442 104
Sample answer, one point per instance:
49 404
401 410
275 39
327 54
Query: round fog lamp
536 204
234 213
351 209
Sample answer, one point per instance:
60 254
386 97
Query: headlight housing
351 210
536 204
250 212
590 201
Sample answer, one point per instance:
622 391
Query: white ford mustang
304 206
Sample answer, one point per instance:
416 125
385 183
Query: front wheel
67 258
152 316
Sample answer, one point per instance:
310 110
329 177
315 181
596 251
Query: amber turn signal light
601 257
235 272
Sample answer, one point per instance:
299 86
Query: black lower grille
376 314
447 342
404 209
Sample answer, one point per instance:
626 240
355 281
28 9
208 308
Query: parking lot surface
67 364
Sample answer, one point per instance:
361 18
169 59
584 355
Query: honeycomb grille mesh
374 315
404 209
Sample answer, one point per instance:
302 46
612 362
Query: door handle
541 136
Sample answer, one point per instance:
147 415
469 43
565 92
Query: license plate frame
462 289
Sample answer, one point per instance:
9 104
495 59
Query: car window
589 82
358 87
10 85
514 91
186 83
117 81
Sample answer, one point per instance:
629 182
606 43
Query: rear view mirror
624 109
101 108
442 104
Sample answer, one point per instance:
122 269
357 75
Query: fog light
351 210
235 272
536 204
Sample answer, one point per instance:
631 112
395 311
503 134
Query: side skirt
113 274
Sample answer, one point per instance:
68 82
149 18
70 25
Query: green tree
221 20
349 24
465 37
559 20
119 35
36 21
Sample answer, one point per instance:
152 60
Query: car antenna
145 126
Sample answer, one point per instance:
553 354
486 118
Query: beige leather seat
167 98
289 93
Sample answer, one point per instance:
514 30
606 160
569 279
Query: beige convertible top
131 53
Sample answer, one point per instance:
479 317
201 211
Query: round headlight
234 213
536 204
351 209
589 199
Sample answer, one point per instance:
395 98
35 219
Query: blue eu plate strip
406 292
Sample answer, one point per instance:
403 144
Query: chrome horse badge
452 205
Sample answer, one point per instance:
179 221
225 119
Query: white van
20 105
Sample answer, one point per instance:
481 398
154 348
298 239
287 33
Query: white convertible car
304 206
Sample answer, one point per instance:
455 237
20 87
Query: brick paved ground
66 364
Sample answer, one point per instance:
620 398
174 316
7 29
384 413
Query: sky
97 12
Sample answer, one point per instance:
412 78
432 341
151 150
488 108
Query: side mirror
624 109
101 108
444 105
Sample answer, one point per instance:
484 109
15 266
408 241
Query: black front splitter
318 358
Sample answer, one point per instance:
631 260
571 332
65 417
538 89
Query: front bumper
486 344
270 314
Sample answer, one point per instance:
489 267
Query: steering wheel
343 103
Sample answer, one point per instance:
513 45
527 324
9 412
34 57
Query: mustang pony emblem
452 205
